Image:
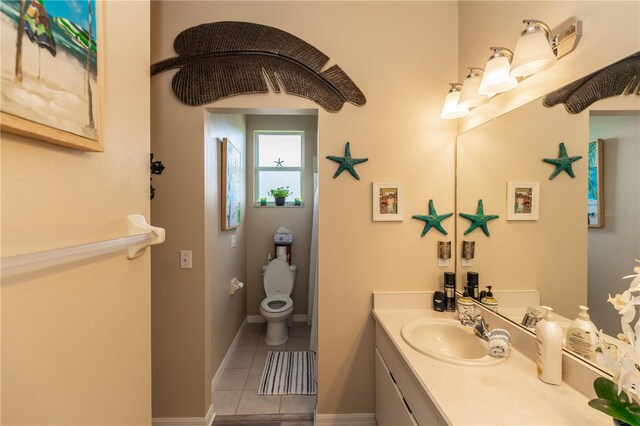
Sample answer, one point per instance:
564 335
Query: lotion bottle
549 349
582 335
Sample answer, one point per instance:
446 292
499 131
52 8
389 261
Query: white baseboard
368 419
256 319
227 357
186 421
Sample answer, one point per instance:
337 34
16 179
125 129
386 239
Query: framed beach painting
595 198
51 87
387 202
231 183
523 200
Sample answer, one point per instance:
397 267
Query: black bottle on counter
473 280
450 291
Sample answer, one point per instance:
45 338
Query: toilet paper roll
281 251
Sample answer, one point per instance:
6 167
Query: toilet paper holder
235 286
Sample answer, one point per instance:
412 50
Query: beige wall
263 222
549 254
389 49
76 338
613 247
194 317
610 32
223 262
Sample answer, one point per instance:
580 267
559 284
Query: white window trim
257 168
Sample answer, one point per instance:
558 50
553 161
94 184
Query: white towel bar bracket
137 224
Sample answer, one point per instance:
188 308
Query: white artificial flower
624 362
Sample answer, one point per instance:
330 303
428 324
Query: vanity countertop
509 393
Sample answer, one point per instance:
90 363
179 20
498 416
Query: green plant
281 191
617 405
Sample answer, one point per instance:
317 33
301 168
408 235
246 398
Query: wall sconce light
470 97
496 78
537 48
451 108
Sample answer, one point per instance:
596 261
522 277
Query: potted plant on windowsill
280 194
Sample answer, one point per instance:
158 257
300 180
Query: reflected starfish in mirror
347 162
432 220
562 163
479 220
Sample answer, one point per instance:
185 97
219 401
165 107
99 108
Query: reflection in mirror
552 258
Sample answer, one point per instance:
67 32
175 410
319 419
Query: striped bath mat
288 373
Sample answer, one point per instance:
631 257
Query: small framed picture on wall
387 202
523 200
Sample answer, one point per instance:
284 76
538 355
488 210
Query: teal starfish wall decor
562 163
479 220
347 162
432 220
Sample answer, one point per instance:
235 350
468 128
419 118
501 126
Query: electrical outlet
466 262
443 262
234 240
185 259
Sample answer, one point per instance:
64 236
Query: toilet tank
294 271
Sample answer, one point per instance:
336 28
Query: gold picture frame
595 197
13 122
231 186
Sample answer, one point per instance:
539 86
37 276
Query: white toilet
279 280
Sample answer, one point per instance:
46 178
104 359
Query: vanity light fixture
496 78
451 108
537 48
533 50
470 97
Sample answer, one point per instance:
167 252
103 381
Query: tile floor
237 391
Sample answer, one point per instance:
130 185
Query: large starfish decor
432 220
563 163
479 220
347 162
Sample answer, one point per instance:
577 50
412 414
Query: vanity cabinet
400 399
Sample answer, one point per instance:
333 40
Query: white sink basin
449 341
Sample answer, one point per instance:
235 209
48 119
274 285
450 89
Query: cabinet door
390 405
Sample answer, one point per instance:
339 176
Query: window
279 161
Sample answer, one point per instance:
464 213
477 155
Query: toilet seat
283 303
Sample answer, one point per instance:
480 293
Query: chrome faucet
475 321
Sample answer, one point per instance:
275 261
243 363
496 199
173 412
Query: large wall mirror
553 257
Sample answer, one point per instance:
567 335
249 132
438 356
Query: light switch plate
185 259
234 240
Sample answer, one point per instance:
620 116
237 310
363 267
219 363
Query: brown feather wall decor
222 59
622 77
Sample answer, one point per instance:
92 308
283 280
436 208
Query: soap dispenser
582 335
465 303
489 301
549 349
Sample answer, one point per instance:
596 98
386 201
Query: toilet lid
277 278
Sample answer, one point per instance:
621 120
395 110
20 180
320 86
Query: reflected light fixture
451 108
533 50
470 97
496 78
